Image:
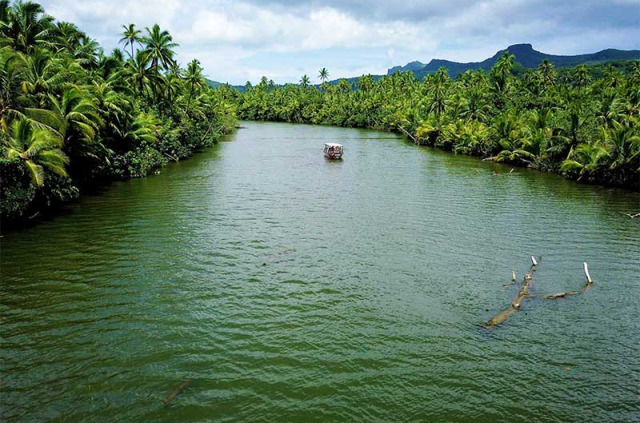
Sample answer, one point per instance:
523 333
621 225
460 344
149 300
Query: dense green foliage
71 116
583 127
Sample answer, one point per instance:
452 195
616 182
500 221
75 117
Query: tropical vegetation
72 117
581 122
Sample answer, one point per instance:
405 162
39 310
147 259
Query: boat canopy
332 144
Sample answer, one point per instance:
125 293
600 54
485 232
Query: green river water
291 288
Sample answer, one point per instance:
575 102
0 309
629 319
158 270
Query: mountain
526 56
411 66
216 84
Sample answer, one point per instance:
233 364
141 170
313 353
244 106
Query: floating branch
177 391
533 261
633 216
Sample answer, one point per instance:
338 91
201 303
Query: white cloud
282 39
320 29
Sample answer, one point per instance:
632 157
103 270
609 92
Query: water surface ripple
294 289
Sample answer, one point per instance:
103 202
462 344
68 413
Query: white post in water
586 273
533 261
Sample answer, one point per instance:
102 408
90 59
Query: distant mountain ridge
525 56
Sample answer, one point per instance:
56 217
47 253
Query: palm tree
86 52
323 75
11 76
66 36
581 76
172 86
26 24
158 48
515 147
623 143
141 129
130 36
304 81
587 159
139 73
501 78
193 77
74 117
475 106
36 148
548 73
41 75
438 90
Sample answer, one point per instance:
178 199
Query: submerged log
523 293
560 295
177 391
500 317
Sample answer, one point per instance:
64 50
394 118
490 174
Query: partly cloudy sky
241 40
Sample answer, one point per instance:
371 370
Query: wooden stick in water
177 391
586 273
408 134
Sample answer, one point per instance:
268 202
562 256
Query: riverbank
582 125
73 118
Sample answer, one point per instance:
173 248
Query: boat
333 151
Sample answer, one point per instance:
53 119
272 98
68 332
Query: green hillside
526 56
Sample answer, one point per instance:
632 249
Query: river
290 288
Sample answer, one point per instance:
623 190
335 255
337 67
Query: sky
239 41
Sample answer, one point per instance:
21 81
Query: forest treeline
73 117
581 123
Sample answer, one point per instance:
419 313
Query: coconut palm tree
86 52
26 23
624 145
159 49
139 74
194 79
304 81
587 159
548 73
38 149
11 76
501 78
323 75
581 76
130 36
66 36
74 117
41 74
438 92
